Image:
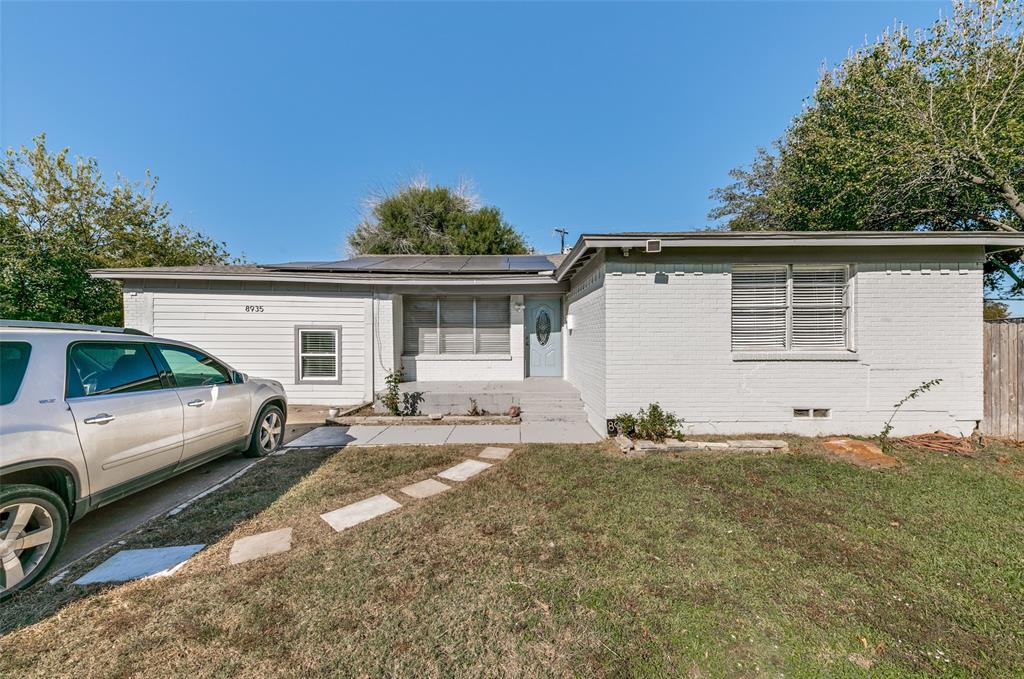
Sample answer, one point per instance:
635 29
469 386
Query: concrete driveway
99 527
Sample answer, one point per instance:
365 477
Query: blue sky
268 122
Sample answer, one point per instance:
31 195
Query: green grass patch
571 560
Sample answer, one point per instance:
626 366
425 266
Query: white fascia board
532 280
992 241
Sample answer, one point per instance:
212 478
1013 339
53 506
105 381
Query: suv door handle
102 418
198 403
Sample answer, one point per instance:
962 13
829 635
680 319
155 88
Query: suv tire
34 515
267 433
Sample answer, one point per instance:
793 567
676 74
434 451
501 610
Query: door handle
102 418
198 403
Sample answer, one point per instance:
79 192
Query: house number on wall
253 309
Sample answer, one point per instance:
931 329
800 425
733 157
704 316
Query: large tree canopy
433 220
921 130
58 218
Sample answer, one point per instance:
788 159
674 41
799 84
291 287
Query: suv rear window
96 368
13 363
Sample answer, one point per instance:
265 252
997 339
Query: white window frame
299 355
849 307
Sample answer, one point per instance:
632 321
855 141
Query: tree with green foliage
995 310
58 219
919 130
433 220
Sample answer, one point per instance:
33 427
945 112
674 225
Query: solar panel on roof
485 263
434 264
439 264
530 263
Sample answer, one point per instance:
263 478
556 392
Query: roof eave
543 278
992 241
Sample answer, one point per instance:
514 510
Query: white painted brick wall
384 340
138 308
586 344
668 340
447 368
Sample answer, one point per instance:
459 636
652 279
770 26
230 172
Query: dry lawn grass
569 560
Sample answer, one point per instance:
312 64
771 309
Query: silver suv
91 414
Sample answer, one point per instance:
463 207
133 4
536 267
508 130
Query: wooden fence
1004 379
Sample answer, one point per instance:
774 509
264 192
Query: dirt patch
860 454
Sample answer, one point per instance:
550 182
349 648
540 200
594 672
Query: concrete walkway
397 435
106 524
132 564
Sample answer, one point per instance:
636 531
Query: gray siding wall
262 344
916 316
586 343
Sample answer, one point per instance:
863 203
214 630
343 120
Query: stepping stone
464 470
759 443
358 512
492 453
261 545
425 488
132 564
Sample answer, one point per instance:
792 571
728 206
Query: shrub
394 400
652 423
391 398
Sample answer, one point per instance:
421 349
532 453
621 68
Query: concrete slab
358 512
557 432
260 545
132 564
485 433
413 435
464 470
425 488
337 437
491 453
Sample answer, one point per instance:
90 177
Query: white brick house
735 332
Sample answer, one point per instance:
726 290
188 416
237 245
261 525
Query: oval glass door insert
543 328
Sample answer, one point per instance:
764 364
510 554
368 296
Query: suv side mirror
237 377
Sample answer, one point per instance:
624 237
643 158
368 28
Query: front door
544 337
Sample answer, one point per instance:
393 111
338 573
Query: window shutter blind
819 307
492 325
419 317
318 352
457 325
759 308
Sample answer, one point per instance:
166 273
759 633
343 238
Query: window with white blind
317 358
456 325
790 307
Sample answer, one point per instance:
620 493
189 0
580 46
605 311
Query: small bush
394 400
391 398
652 423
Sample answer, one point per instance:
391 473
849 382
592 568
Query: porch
537 397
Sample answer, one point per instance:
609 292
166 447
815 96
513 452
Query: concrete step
561 410
549 401
554 417
560 405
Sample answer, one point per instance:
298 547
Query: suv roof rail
47 325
